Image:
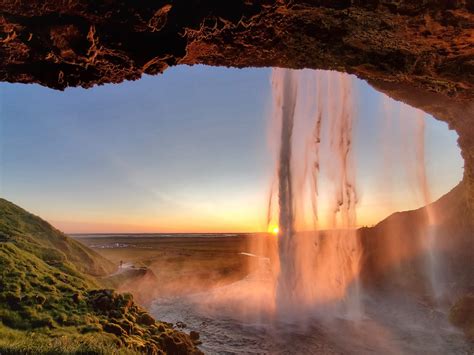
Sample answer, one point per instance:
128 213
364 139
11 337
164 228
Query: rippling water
394 324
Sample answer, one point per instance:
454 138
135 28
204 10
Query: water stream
304 294
314 111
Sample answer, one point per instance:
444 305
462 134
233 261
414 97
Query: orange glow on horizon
196 225
369 212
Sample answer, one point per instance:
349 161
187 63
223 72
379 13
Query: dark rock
82 43
194 335
13 300
115 314
103 303
4 237
114 329
109 293
76 298
42 322
127 326
181 325
125 301
421 55
174 345
145 319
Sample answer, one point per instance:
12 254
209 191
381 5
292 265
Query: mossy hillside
34 294
48 306
37 236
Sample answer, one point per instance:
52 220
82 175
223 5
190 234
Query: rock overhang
419 52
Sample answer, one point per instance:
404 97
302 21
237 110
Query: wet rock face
399 46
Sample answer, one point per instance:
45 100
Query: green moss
28 342
49 305
36 236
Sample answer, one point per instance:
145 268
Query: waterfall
315 267
317 253
412 126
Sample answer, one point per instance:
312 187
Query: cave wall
417 51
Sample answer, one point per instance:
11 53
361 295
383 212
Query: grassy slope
48 304
31 233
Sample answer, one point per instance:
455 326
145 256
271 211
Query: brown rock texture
417 51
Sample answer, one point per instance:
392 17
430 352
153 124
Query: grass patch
51 303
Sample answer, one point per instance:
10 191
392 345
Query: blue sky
183 151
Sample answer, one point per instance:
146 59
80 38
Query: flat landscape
175 263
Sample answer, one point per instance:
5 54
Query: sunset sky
185 151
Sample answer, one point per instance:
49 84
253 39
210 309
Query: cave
420 53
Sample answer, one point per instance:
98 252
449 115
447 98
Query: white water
229 323
313 112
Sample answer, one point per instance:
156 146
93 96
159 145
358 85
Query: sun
274 230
